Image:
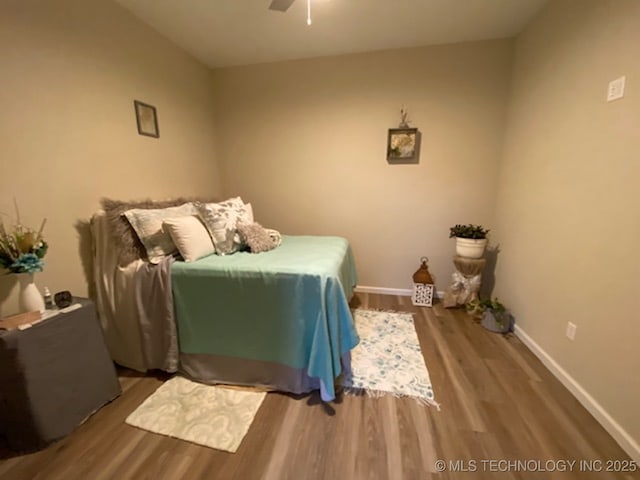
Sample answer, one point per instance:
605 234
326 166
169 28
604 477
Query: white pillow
248 214
148 226
221 221
244 211
190 236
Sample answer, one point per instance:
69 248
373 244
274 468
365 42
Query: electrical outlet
616 89
571 330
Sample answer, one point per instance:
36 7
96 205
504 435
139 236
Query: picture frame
147 119
403 145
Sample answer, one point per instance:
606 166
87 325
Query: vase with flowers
22 250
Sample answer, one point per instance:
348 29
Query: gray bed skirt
220 369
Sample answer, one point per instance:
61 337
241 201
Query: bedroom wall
305 142
568 215
70 72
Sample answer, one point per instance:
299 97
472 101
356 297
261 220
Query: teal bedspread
288 305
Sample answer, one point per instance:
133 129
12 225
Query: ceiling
241 32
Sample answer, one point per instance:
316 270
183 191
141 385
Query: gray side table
53 376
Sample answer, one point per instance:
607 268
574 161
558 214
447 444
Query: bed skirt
272 376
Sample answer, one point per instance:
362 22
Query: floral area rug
388 359
208 415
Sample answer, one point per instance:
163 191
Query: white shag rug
208 415
388 359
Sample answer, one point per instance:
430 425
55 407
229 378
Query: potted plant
471 240
493 314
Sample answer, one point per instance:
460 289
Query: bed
279 320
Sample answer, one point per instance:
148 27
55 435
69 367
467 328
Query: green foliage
22 248
478 307
475 232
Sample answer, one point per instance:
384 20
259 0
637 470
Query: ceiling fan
283 6
280 5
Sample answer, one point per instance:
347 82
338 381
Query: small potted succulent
493 314
471 240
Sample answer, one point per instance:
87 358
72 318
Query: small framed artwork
403 145
147 119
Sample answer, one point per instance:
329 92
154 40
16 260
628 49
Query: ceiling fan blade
280 5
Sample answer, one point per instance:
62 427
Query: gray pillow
256 237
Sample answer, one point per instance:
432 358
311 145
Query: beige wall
305 141
70 72
568 213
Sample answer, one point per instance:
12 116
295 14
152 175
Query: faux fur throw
123 235
256 237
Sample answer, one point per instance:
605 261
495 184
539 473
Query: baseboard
614 429
402 292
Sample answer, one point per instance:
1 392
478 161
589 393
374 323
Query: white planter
30 298
470 248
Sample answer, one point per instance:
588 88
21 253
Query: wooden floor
499 404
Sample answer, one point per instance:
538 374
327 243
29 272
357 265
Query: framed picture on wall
403 145
147 119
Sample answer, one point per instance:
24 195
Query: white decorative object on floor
422 295
29 299
388 359
208 415
422 285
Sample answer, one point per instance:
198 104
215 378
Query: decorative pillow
256 237
247 217
190 236
221 220
243 210
148 225
122 235
276 238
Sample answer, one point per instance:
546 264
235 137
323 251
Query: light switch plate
571 330
616 89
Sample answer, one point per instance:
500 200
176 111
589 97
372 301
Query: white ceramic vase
470 248
30 298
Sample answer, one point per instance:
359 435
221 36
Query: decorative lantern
422 285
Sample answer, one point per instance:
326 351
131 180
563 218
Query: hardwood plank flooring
499 403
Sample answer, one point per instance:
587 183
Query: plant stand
465 281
